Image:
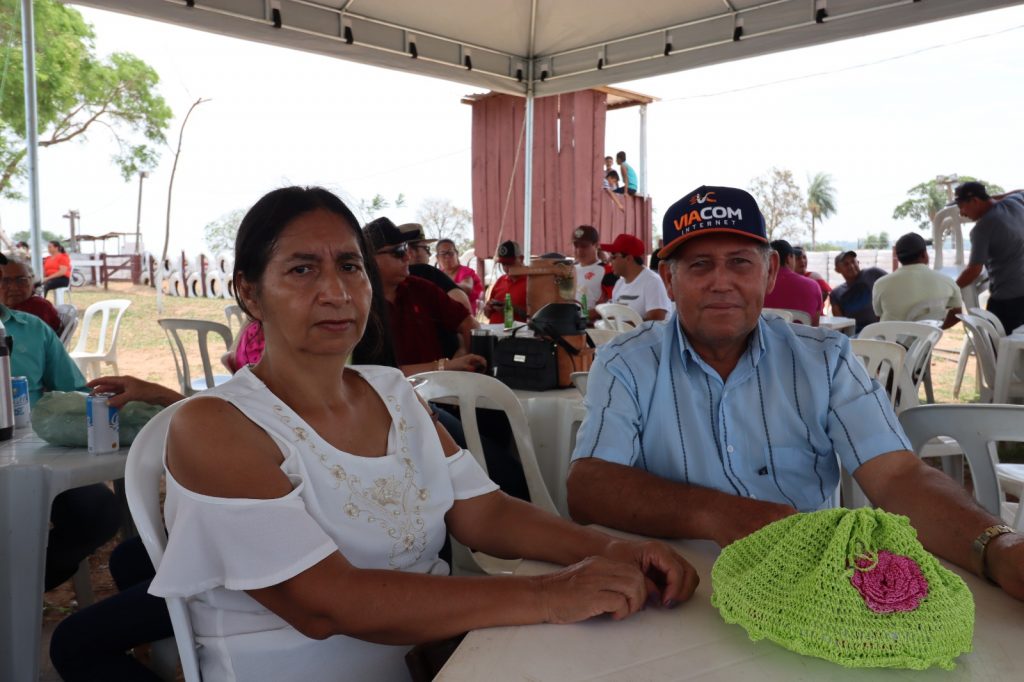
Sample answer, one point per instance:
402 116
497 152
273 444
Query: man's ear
773 270
665 272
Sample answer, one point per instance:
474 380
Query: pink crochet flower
894 583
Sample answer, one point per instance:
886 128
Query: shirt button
729 448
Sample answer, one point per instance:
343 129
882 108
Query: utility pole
138 213
72 215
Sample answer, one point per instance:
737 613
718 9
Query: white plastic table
1011 352
847 325
692 642
32 473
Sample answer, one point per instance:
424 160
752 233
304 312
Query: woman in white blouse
307 501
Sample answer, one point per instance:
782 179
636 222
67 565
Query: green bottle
584 310
509 316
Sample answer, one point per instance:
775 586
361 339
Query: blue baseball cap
711 210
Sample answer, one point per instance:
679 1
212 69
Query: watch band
980 544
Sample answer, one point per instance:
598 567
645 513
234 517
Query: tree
47 236
821 201
928 198
781 202
379 203
220 234
876 241
76 92
441 219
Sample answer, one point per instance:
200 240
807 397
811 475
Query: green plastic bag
59 419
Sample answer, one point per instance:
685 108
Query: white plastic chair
967 350
68 323
934 309
919 339
143 473
602 336
470 391
91 361
977 428
235 317
799 316
579 380
618 316
61 295
883 360
203 328
785 314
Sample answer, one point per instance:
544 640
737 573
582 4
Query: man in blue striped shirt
718 421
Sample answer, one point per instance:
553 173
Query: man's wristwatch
980 544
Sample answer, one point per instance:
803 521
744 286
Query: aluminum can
103 424
22 407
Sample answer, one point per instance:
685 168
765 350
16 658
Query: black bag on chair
527 364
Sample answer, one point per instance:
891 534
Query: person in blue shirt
628 175
719 421
81 519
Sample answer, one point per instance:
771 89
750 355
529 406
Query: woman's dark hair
446 241
57 245
257 238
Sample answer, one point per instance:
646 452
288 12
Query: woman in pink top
465 277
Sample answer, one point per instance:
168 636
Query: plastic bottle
584 310
510 319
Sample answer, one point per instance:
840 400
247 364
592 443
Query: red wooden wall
568 158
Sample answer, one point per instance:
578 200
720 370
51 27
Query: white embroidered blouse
380 512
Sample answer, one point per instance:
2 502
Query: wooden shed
568 170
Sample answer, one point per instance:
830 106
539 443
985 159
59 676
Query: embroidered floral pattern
889 582
392 503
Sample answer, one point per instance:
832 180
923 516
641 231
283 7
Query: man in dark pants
997 243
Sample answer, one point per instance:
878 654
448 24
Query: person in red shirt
56 268
16 294
418 310
793 291
800 268
509 254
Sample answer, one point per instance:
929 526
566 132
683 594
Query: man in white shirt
639 288
894 295
590 272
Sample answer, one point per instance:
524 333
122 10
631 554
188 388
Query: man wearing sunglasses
419 264
997 244
419 313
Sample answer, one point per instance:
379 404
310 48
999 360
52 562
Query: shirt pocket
799 475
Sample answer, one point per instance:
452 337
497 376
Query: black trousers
55 283
1010 312
82 520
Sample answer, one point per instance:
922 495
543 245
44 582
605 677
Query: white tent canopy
554 45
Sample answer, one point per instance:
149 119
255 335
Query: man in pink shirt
793 291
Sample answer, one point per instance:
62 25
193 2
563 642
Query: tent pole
643 151
528 176
28 48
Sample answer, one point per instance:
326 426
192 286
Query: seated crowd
307 528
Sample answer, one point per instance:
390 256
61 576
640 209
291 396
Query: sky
880 114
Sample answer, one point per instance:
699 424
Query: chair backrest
235 317
934 309
785 314
68 332
982 337
143 473
799 316
976 428
621 317
68 315
203 328
919 339
579 380
105 309
602 336
471 391
996 323
883 360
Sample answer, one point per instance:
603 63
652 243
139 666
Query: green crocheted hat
852 586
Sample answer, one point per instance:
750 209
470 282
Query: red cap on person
627 244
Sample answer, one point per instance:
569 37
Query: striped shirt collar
751 357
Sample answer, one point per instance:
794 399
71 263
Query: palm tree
821 201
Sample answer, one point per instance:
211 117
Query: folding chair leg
82 584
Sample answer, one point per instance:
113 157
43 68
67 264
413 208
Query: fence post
202 274
184 273
104 275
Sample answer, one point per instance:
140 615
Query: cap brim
667 250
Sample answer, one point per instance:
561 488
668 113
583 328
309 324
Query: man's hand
1004 558
669 577
467 363
744 516
128 388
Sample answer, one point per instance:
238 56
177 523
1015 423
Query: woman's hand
669 577
467 363
590 588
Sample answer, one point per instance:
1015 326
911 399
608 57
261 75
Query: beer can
22 407
103 424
